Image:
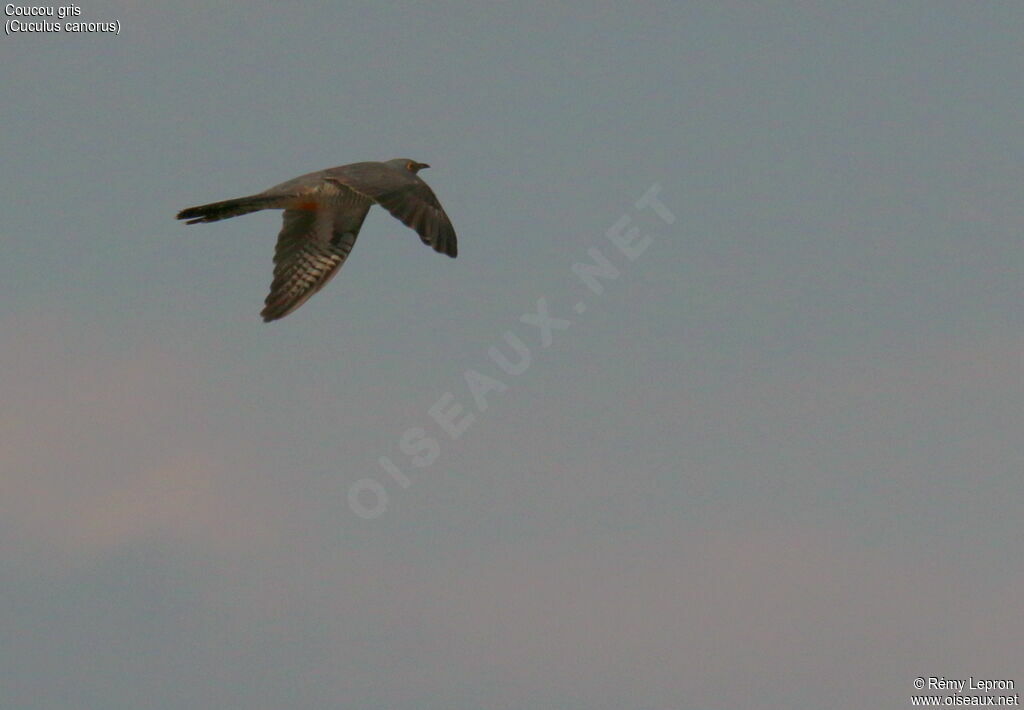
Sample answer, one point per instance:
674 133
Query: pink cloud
102 449
731 614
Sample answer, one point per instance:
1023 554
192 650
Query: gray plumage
323 212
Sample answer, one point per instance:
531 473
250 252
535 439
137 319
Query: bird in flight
323 212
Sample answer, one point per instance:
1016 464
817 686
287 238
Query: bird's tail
228 208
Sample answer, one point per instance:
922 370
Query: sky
719 407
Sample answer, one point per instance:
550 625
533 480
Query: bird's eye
411 167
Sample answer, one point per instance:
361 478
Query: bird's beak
421 166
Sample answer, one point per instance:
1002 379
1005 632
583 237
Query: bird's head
406 164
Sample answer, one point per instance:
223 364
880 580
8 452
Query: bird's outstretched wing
406 197
312 246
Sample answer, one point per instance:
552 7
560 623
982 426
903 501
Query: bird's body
323 213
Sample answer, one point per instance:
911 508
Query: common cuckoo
323 212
